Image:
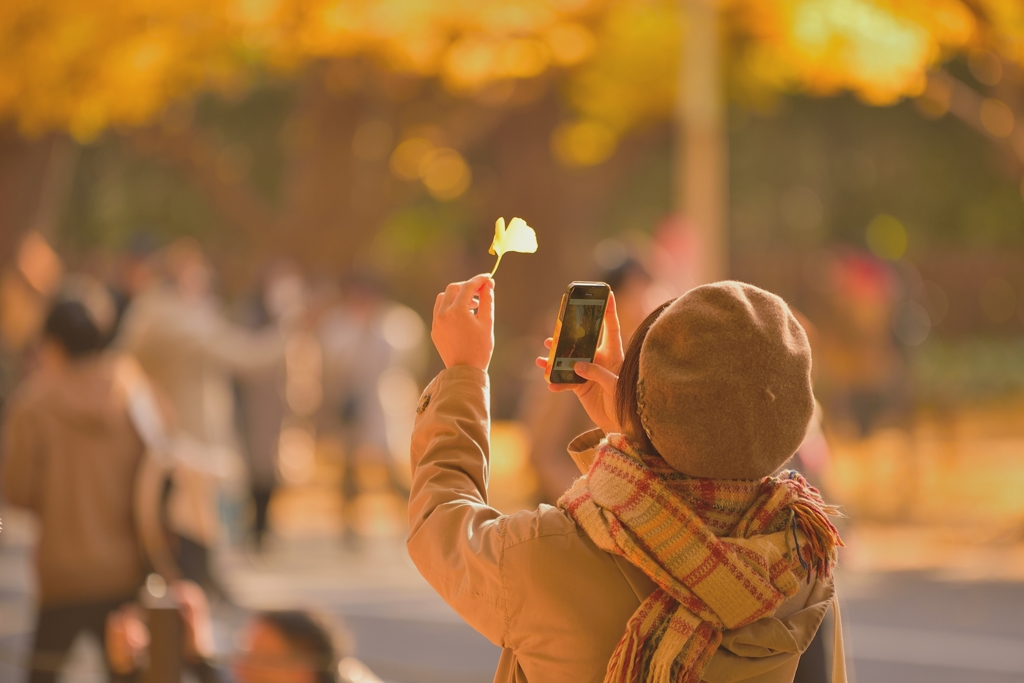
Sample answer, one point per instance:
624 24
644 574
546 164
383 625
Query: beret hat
724 389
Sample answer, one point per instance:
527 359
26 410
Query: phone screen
578 330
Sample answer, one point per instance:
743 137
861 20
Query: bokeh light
997 118
297 454
39 264
407 159
886 237
911 323
445 173
570 43
583 143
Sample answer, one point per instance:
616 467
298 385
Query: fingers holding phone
585 352
577 330
609 352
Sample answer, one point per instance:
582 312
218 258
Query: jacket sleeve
21 460
239 349
456 539
153 327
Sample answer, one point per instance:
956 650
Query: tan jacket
533 583
70 454
191 352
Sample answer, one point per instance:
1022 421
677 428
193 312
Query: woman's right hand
463 326
597 395
126 640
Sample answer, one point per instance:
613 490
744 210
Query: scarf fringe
811 516
626 661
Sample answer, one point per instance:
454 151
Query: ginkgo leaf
518 237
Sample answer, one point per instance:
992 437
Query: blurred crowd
148 423
150 426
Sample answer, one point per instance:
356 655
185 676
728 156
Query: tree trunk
35 177
701 148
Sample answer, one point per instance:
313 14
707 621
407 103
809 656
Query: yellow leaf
518 237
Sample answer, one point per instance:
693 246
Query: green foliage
117 197
954 372
939 178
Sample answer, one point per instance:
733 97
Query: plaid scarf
724 553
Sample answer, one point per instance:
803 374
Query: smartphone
577 330
166 632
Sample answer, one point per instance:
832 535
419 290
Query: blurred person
280 646
124 273
678 556
191 351
263 406
814 456
99 263
70 455
372 352
133 273
15 362
552 419
812 459
861 360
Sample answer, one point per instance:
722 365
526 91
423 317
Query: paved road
905 628
901 628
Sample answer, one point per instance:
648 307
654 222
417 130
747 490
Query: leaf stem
496 263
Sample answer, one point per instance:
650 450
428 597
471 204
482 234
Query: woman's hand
127 639
463 327
598 394
197 638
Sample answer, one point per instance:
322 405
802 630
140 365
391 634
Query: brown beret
725 382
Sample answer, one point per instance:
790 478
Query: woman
70 455
190 351
677 557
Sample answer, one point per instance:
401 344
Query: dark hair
626 407
70 324
630 267
324 643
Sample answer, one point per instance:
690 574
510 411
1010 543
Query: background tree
390 133
123 64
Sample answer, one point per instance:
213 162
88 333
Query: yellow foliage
879 50
86 65
443 171
1008 16
886 237
632 77
583 143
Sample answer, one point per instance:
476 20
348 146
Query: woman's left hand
597 395
463 327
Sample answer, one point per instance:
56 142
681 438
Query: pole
700 189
